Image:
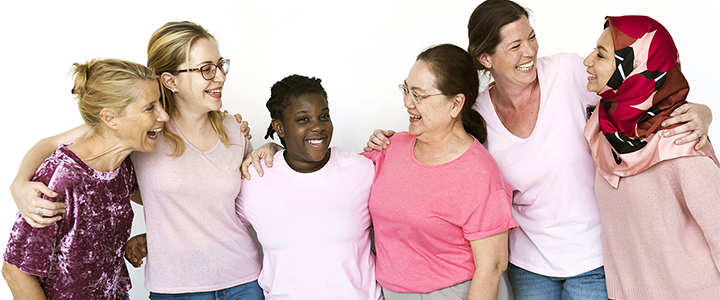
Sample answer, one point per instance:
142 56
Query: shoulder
402 137
351 158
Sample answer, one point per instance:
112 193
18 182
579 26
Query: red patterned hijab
646 87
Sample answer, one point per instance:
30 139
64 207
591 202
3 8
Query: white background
361 49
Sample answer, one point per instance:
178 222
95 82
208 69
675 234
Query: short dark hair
287 89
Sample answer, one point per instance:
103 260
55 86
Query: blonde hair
168 47
106 83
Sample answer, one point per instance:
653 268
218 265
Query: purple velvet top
81 256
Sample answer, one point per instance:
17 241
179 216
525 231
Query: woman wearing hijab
658 200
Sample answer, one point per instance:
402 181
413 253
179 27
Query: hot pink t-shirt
195 240
314 229
426 215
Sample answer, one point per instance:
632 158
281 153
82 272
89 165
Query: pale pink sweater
661 231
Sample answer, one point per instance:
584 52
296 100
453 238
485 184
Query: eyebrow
602 48
209 62
417 89
518 40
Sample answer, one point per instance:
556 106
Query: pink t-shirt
314 229
552 174
196 242
426 215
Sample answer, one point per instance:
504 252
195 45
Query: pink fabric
425 216
661 235
80 256
647 85
196 242
314 229
552 174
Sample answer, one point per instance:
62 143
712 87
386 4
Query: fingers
245 129
681 110
255 160
379 140
136 250
238 118
244 168
36 221
269 161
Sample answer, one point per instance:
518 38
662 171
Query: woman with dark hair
661 236
440 207
535 111
310 210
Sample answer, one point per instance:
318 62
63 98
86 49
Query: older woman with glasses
196 245
439 205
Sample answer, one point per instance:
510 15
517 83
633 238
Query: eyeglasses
208 71
405 91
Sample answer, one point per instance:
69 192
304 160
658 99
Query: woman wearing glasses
439 205
196 244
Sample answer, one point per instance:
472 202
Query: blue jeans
527 285
245 291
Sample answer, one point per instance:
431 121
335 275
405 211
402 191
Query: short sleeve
577 76
490 217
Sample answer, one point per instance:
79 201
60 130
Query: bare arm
491 255
22 285
696 119
27 194
266 152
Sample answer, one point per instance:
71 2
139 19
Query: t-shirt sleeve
31 249
491 216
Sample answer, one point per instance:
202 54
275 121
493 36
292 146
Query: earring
174 90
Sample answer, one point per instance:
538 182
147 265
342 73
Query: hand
136 250
696 119
27 196
266 152
244 127
379 140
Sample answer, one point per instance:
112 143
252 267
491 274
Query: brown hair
106 83
485 24
167 49
455 74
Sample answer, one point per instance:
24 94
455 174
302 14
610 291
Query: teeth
219 91
153 133
593 76
315 142
526 66
414 117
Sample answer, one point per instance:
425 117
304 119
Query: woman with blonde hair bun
196 245
80 257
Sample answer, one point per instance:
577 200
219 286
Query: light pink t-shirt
426 215
314 229
196 242
552 174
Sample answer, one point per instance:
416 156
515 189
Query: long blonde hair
167 49
106 83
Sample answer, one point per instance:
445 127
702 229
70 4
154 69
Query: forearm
22 285
484 284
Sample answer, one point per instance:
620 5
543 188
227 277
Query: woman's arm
27 194
491 255
696 119
266 152
22 285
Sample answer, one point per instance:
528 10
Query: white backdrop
361 49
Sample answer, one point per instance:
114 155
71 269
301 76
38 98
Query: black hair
287 89
455 74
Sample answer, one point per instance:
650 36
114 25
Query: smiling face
514 59
193 91
141 121
307 130
432 114
601 63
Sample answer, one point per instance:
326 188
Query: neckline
190 145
